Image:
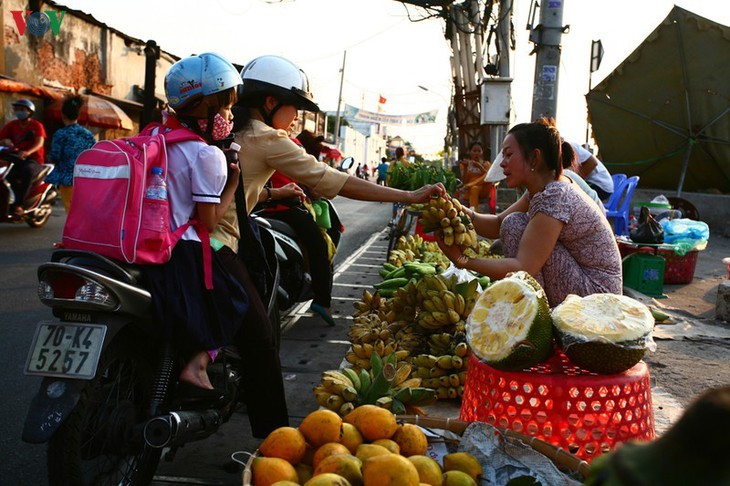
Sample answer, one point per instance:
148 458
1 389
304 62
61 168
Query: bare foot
194 372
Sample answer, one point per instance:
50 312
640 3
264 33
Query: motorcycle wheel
40 217
99 443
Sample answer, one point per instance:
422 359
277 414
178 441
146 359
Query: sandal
323 313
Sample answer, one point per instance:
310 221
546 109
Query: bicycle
401 224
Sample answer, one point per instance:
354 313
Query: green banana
403 394
365 381
397 407
389 266
422 396
391 283
354 378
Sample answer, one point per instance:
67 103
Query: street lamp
446 138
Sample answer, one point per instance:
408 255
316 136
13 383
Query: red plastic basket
678 269
584 413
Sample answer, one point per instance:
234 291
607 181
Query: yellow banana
454 380
441 317
425 360
444 381
461 349
346 408
454 316
334 402
435 372
457 362
445 362
411 383
439 303
351 357
402 374
322 397
442 393
460 306
452 392
338 375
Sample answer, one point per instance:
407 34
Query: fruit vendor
555 232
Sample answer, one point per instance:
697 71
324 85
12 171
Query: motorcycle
295 285
108 404
38 201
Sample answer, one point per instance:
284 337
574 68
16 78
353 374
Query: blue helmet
25 103
197 76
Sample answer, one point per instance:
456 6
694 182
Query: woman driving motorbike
274 90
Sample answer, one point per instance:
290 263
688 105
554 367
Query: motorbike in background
295 281
38 200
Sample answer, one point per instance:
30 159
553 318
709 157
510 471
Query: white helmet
279 77
196 76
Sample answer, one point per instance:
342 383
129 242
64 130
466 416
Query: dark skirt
194 317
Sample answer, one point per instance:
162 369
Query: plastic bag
648 230
685 234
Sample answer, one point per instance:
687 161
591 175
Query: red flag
382 100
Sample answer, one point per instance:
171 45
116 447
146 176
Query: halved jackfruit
510 326
603 333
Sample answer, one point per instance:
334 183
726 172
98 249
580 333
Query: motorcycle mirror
347 163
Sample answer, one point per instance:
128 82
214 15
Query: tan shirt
263 151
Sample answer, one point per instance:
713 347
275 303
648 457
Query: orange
328 449
268 470
391 445
285 442
389 470
429 471
345 465
328 479
321 426
365 451
373 422
411 440
351 437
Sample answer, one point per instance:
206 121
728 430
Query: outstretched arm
364 190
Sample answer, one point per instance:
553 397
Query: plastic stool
584 413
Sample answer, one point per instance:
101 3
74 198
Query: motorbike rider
25 136
201 90
274 90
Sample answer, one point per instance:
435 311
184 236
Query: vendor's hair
71 107
544 136
399 152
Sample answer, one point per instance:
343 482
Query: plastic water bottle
155 212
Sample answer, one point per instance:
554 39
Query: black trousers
257 341
309 235
20 177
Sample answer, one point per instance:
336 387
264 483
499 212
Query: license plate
66 349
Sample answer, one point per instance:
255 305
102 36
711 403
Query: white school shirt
196 172
600 175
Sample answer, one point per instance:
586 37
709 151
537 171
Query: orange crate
679 269
557 402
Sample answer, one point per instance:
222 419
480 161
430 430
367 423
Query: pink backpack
110 180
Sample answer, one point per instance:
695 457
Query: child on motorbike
274 90
201 90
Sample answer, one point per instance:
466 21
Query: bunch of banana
411 242
338 390
446 373
481 251
404 303
370 304
436 257
447 215
386 384
410 338
441 343
399 257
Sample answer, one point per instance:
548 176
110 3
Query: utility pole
339 102
497 131
546 36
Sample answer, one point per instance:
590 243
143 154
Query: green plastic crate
645 273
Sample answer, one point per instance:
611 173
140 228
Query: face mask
21 115
221 127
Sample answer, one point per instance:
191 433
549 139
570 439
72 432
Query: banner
368 116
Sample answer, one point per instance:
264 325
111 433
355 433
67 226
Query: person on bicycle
274 90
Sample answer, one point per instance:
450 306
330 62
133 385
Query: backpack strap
204 236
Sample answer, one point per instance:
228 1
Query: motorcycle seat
282 227
127 273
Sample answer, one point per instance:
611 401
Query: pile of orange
366 448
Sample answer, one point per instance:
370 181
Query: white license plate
68 349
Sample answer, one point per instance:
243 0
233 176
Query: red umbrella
95 112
